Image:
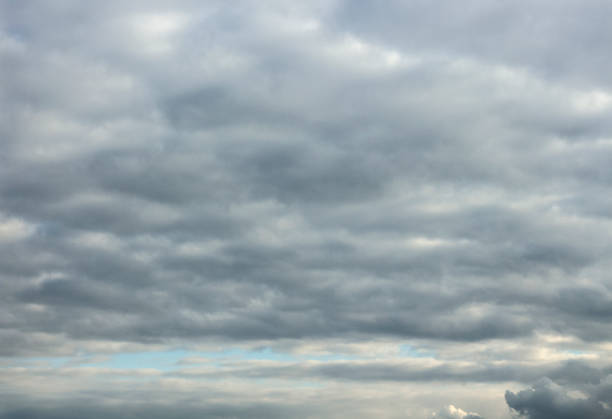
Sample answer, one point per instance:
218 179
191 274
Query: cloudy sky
321 209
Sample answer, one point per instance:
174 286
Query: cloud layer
402 195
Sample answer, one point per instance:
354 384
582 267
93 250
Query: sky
322 209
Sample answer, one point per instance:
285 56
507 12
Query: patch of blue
171 360
410 352
258 354
163 361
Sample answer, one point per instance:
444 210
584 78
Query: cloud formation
452 412
547 399
406 195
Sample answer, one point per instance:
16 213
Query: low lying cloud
547 400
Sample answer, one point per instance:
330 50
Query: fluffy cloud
452 412
547 399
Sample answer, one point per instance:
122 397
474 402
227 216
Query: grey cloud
218 411
299 174
549 400
575 373
191 172
558 39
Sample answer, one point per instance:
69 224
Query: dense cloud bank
336 179
323 184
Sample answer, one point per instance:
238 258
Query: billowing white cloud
452 412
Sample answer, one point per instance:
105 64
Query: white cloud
452 412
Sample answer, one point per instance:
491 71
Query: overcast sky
306 209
